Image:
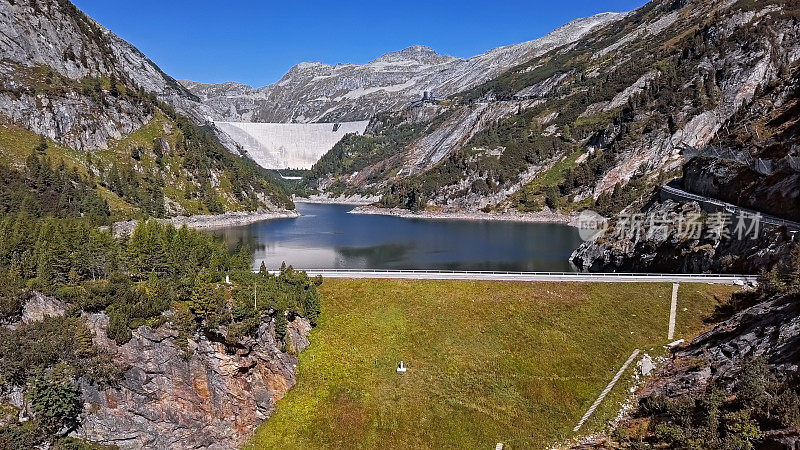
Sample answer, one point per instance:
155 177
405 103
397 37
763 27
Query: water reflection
326 236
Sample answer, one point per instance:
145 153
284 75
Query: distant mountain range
316 92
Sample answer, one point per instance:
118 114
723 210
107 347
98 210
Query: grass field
488 362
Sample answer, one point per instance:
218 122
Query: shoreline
325 200
208 221
540 217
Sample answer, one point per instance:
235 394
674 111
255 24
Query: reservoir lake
326 236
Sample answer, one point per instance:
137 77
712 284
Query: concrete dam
289 145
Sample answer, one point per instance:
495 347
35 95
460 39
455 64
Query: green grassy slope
168 158
488 362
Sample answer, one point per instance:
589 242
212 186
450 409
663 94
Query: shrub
21 436
118 328
54 402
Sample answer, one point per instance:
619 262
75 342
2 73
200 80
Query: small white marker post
672 312
401 368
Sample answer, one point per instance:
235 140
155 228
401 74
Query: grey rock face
40 306
315 92
777 194
72 119
49 48
769 330
214 399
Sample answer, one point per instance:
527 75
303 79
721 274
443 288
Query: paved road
675 193
535 276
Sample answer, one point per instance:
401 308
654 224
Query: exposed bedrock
213 399
776 194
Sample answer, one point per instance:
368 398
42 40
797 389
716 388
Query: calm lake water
327 237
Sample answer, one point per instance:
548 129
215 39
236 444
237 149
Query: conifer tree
207 298
281 325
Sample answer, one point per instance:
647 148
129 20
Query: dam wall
288 145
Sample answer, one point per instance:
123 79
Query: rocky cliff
51 51
316 92
751 162
212 394
213 399
674 251
75 92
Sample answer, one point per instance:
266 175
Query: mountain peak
415 53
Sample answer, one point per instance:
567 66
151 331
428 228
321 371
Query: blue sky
256 42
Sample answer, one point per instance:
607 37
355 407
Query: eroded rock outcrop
215 398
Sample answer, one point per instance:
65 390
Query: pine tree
44 268
42 146
262 270
281 325
207 298
115 182
566 133
84 347
114 88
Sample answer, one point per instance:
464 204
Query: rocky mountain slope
596 123
44 43
165 338
753 161
214 399
316 92
79 94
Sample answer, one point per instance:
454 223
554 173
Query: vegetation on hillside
159 274
355 152
169 166
47 189
375 152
